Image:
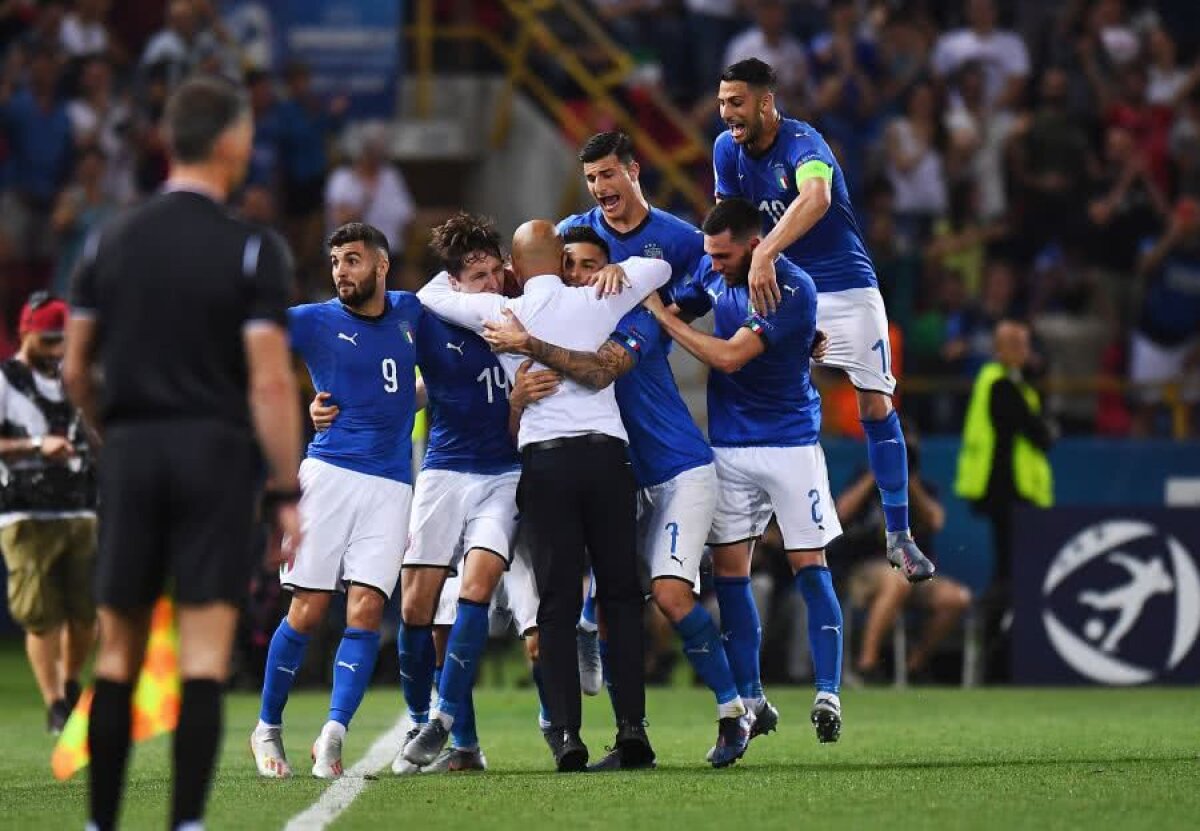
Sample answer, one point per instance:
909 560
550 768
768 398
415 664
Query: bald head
536 249
1012 344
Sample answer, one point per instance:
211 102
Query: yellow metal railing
531 32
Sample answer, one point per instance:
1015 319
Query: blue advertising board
1106 596
353 47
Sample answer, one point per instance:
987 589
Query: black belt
566 441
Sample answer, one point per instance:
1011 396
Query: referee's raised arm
181 308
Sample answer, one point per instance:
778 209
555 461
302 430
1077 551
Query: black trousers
577 499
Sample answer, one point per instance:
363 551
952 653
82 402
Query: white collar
541 284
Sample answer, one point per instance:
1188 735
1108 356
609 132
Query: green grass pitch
923 758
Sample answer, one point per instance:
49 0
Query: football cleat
733 737
400 765
327 755
827 717
591 671
906 557
426 745
766 719
266 743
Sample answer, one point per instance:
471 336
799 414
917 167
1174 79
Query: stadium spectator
913 142
977 141
711 24
769 41
1165 345
1002 54
81 208
371 190
84 33
1169 82
47 510
191 39
103 118
872 584
1002 464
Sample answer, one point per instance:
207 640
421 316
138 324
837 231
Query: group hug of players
781 265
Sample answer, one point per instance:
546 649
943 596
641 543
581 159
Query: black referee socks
108 740
197 740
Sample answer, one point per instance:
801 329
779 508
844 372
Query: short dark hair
360 232
586 233
610 143
752 72
461 235
738 216
198 113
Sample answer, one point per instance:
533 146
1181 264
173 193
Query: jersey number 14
495 382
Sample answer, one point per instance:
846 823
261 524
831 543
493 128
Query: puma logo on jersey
835 629
714 294
353 339
677 559
288 670
457 347
789 289
351 667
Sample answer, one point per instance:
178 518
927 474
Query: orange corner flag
155 701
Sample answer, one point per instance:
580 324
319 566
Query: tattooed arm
594 370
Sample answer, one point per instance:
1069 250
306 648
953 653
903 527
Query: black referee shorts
177 500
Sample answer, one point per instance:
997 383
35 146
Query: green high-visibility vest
1031 468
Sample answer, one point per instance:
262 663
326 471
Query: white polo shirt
573 318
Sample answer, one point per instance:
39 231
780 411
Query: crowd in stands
1037 159
82 89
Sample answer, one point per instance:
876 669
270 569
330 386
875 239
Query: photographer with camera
47 509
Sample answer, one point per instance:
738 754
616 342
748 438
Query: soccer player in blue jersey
764 421
464 513
630 227
357 481
788 172
673 466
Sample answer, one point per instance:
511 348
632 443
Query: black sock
108 740
197 740
71 692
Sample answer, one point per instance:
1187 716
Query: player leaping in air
785 168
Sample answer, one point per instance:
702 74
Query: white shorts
674 519
856 323
517 593
789 482
455 512
1150 363
354 528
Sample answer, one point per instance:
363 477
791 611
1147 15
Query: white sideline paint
341 794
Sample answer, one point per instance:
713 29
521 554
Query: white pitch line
342 793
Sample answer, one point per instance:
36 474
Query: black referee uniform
171 285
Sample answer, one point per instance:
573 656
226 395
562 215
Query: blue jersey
468 401
833 251
770 402
660 236
664 441
368 366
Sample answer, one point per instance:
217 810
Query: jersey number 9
391 379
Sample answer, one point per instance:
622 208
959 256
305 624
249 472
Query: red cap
46 318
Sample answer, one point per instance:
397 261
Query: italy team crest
780 174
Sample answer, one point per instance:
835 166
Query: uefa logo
1108 589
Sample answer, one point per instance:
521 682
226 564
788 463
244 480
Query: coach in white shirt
577 491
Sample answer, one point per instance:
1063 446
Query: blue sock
437 683
468 637
462 734
587 617
742 633
543 713
702 646
416 669
284 657
889 462
353 666
824 626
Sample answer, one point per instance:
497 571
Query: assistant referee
182 308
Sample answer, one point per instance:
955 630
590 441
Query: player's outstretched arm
594 370
814 198
469 311
722 355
